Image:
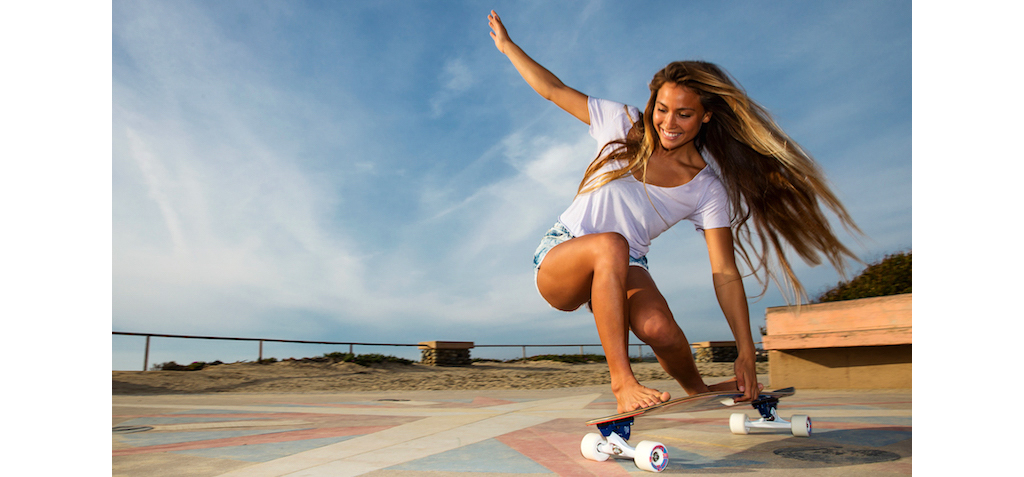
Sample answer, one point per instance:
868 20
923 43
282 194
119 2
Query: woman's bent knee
659 333
566 276
611 247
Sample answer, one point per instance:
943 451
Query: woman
651 173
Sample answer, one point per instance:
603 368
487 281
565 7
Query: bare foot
730 385
637 396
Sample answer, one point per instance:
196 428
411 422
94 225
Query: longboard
697 402
653 456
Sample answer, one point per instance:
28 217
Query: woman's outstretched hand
539 78
498 33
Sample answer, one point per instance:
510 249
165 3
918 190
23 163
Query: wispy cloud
456 78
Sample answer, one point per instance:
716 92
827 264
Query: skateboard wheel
801 426
651 456
738 423
588 447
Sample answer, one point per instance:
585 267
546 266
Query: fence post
260 360
581 350
145 359
524 351
350 349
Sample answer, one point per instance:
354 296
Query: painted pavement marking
484 456
417 440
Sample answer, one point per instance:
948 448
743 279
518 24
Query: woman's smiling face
678 115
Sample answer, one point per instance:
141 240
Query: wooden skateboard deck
697 402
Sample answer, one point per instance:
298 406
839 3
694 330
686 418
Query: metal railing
351 345
639 347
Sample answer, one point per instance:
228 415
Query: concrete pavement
491 433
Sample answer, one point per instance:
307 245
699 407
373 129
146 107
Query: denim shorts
559 234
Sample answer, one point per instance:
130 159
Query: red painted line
558 452
273 437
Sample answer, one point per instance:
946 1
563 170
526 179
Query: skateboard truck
611 442
620 427
767 407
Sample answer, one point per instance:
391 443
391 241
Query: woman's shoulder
606 108
712 163
610 120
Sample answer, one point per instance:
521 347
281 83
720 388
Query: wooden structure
852 344
445 353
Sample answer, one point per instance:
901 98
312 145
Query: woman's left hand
746 377
733 300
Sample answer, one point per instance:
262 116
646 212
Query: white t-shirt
622 205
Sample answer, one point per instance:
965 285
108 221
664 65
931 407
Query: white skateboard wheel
738 423
801 426
589 447
651 456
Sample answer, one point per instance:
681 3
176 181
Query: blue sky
378 171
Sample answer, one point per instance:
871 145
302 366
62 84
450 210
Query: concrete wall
853 344
865 367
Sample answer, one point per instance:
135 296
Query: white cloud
153 174
456 78
244 235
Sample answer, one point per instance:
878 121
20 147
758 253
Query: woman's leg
594 268
651 320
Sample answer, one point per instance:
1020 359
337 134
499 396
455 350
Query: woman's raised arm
539 78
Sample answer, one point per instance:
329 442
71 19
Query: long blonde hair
770 180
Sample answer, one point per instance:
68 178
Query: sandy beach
297 376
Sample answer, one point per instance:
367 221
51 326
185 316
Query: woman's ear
707 117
